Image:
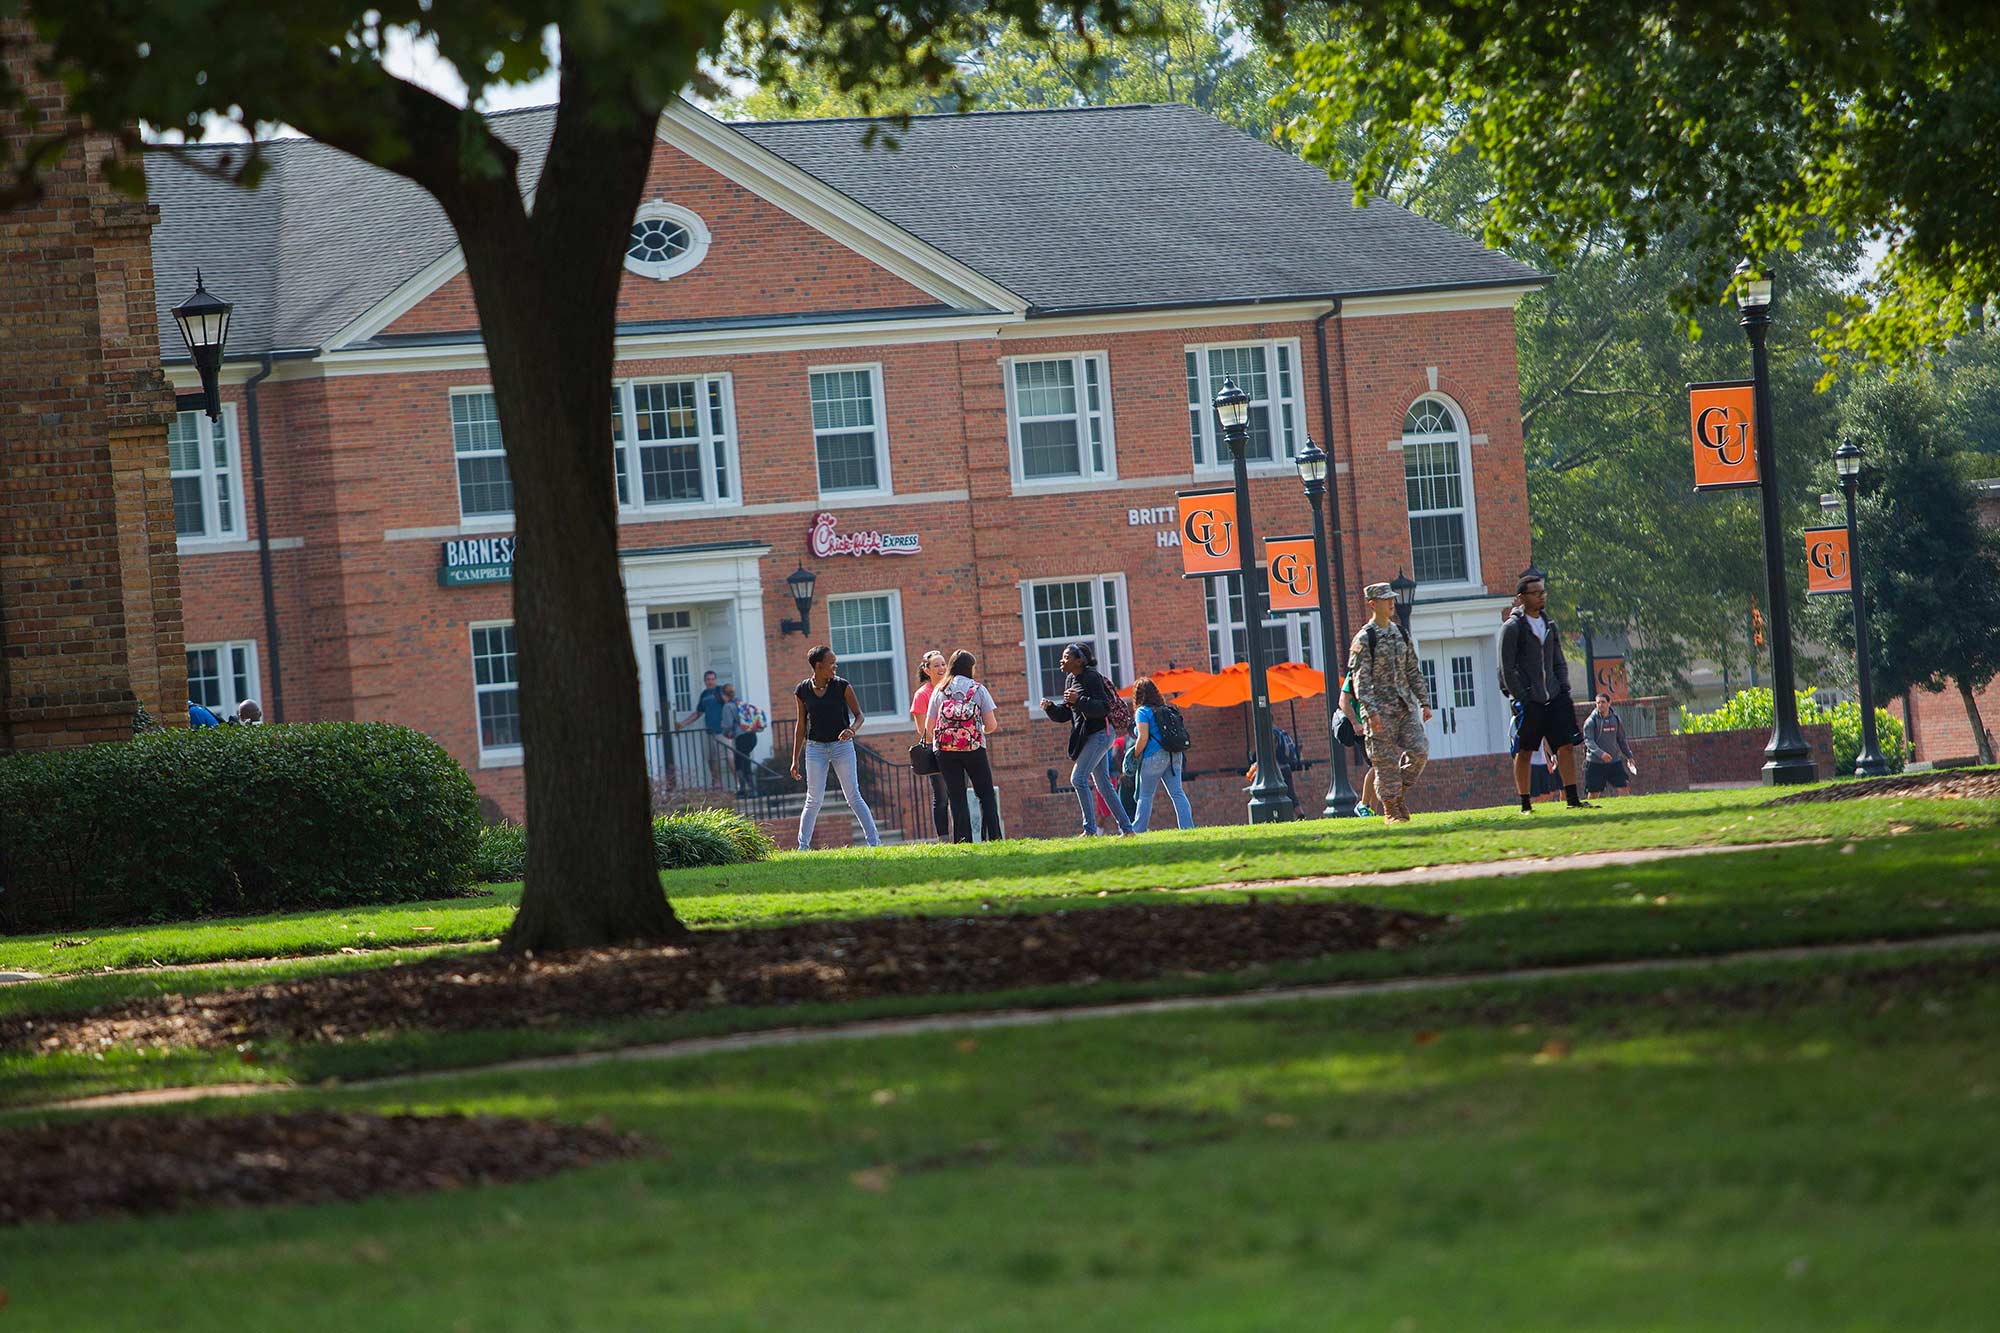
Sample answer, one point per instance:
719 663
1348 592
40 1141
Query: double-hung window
496 688
1269 373
1436 472
1059 418
674 442
865 631
1289 637
1089 611
222 675
201 459
485 488
850 443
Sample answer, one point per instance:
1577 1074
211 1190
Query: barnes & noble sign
464 561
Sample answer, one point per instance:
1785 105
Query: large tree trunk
1980 740
546 287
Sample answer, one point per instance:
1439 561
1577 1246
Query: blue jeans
1154 769
1093 765
839 756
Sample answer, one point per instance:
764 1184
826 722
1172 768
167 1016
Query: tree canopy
1743 126
544 268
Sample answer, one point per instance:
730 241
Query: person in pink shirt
931 670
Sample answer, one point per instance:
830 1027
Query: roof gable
1135 207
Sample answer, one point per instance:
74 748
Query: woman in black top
829 715
1086 701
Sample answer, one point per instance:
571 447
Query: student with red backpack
961 717
1160 735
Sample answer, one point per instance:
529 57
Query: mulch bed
156 1164
1951 785
816 962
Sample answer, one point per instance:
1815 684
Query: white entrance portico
692 609
1457 647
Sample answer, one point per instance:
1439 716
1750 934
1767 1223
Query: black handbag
923 760
1343 730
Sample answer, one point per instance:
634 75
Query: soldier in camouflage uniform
1389 689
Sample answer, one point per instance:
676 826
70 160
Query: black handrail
897 794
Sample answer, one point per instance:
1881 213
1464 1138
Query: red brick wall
89 586
370 635
761 261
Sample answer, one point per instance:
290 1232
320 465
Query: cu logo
1202 529
1714 429
1830 559
1294 573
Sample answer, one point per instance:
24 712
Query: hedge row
1751 710
697 836
231 820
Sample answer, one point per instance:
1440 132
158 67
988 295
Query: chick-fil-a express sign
826 540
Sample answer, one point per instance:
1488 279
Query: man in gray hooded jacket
1537 675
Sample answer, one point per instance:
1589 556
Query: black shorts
1598 773
1553 722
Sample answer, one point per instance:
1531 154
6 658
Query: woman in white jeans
829 715
1157 765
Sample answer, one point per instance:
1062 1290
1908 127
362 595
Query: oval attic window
665 240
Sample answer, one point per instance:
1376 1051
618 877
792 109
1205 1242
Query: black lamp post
801 582
1269 801
1405 589
1786 758
1340 797
1869 763
1583 619
204 321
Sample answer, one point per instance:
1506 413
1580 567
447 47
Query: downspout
276 691
1338 532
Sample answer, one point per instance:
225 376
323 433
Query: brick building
90 613
998 342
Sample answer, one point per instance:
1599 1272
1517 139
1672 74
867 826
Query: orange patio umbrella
1230 687
1173 680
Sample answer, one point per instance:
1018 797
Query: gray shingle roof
1130 206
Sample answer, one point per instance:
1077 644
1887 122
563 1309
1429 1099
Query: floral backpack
958 726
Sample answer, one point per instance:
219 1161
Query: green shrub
179 824
695 836
744 834
1751 710
502 854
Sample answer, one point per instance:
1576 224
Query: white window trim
1472 582
498 756
885 485
1295 626
1101 640
1092 475
698 241
631 444
252 672
473 522
898 719
213 538
1219 463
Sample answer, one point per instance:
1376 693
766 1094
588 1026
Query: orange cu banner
1208 532
1611 679
1722 418
1294 573
1827 570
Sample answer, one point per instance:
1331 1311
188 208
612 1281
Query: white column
754 669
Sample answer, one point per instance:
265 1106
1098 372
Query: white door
674 681
1465 717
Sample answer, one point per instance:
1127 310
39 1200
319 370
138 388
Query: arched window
1437 472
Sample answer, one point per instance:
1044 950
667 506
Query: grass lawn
1028 872
1889 887
1813 1153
